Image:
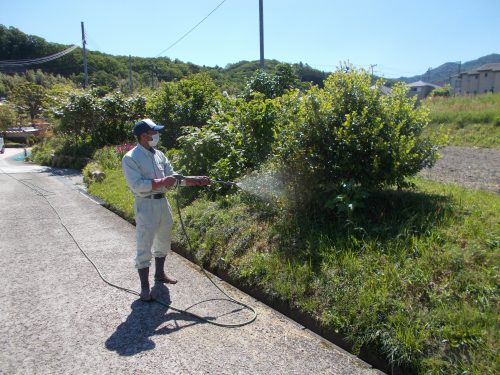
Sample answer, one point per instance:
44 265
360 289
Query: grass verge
472 121
414 279
470 135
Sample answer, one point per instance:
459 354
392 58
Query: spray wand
217 180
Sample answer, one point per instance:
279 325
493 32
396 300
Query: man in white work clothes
149 173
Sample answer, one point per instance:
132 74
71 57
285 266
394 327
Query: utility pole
459 79
84 42
371 67
261 29
130 83
152 77
428 74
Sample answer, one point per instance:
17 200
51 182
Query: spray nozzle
226 183
180 179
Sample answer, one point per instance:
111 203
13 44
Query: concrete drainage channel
305 321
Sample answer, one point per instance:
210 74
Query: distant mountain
442 73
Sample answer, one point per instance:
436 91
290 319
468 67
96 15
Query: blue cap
146 125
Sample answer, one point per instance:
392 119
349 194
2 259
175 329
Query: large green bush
349 136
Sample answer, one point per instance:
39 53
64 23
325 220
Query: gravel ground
476 168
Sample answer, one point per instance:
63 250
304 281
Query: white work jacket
140 166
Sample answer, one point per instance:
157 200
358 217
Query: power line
34 61
190 30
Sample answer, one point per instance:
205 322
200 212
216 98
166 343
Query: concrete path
58 317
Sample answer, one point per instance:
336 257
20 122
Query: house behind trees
421 89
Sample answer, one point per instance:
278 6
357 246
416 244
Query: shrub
63 151
444 91
234 141
349 135
43 152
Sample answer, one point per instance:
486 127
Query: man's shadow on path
134 335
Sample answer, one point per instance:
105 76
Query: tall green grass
472 121
462 110
472 135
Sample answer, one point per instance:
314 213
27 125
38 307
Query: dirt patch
471 167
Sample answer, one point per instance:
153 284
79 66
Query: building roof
470 73
382 88
493 67
422 84
21 130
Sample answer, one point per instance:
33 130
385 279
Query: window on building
486 74
475 77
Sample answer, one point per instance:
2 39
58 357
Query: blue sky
402 37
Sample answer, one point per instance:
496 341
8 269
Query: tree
7 117
272 85
264 83
308 74
99 120
189 102
29 98
286 78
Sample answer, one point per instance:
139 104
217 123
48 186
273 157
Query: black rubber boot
144 277
160 276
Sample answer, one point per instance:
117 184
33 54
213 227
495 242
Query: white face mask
154 142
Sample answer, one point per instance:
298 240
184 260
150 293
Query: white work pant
153 219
